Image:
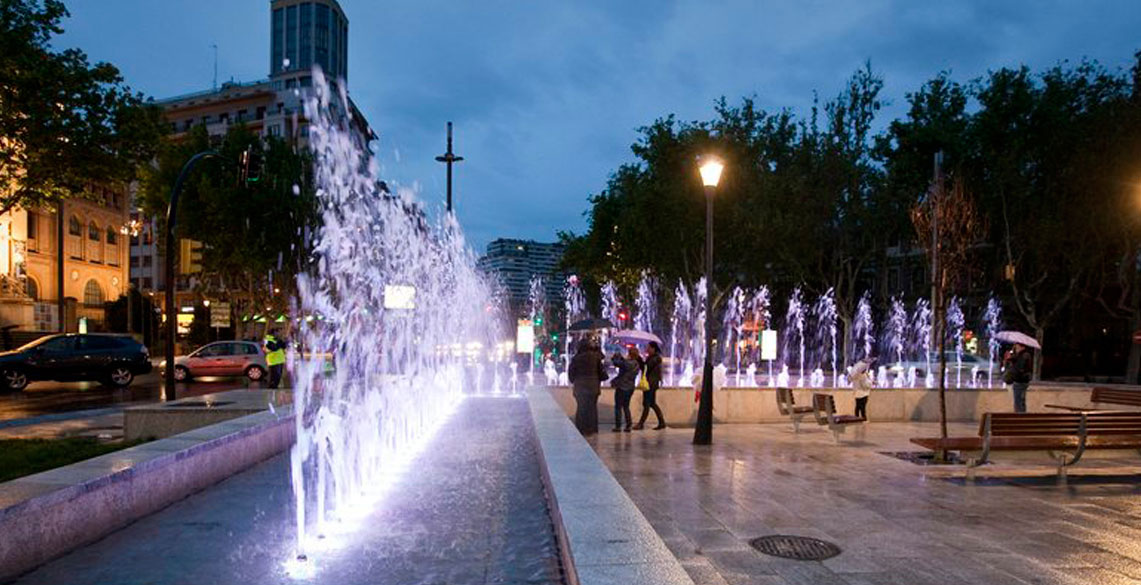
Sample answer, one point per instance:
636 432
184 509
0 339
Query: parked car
221 358
111 359
955 370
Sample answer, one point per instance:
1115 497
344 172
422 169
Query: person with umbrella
1018 365
624 383
587 372
650 396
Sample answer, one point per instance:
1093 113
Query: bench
824 409
786 404
1100 395
1070 434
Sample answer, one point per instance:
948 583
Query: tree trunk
1039 334
940 319
846 356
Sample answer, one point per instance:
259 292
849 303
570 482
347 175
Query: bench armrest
1074 408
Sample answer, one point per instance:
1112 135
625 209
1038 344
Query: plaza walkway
896 522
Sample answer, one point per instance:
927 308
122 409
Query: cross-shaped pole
449 158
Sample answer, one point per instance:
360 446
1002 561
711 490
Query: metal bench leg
796 425
836 435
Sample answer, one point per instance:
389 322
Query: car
110 359
221 359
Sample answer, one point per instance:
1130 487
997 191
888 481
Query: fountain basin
753 405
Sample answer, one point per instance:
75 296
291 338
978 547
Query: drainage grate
801 548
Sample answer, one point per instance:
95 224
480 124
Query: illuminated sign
769 345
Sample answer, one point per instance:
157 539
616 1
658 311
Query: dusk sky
547 96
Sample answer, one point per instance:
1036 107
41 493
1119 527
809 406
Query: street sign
768 345
219 314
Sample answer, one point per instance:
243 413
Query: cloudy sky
547 96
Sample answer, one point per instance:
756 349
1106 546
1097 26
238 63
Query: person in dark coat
586 373
650 397
624 382
1018 369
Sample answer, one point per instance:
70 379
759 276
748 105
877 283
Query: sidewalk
896 522
105 424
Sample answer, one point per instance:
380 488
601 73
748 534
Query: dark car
113 360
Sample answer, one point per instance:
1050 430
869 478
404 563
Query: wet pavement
473 511
896 522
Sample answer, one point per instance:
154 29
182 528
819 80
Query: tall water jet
575 308
992 324
697 332
390 295
679 333
611 306
646 303
895 333
824 314
955 323
732 323
864 327
794 329
537 308
759 305
921 335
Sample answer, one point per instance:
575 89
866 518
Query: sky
547 96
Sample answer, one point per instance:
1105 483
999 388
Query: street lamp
711 168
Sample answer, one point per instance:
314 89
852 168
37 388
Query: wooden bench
786 404
1069 434
1100 395
824 409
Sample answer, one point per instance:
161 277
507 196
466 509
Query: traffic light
251 164
622 316
538 321
189 256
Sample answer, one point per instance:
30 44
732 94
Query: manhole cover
801 548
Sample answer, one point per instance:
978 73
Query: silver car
222 359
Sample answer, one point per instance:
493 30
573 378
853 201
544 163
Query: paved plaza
897 523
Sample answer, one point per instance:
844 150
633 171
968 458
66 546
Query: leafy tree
254 234
64 123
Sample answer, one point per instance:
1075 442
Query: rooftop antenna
215 47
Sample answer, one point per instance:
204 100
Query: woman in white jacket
861 381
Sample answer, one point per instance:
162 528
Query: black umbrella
591 325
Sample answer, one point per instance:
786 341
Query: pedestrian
653 375
586 372
274 359
861 381
628 369
1017 368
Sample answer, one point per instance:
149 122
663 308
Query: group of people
587 372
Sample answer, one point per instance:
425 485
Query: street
53 398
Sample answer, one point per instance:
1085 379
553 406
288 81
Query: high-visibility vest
273 357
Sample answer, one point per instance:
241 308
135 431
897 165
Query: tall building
514 262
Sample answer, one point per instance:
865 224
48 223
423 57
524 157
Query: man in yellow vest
274 358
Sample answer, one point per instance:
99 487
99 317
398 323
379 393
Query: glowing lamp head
711 168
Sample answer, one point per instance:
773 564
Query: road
50 398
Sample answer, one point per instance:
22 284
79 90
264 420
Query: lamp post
711 168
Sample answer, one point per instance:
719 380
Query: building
514 262
304 34
94 257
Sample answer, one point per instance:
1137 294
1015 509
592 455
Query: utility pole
449 158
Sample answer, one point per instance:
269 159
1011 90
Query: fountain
646 303
794 329
762 316
395 293
955 322
679 335
824 315
537 305
864 328
732 322
697 335
992 324
575 308
921 336
895 333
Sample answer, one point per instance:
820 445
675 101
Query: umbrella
590 325
635 336
1017 337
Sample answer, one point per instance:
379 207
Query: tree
64 123
255 234
948 221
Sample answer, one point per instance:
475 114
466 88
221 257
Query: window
93 232
32 289
57 344
32 219
276 52
148 283
260 112
306 42
291 37
92 293
134 239
243 115
74 227
134 261
112 236
147 261
96 342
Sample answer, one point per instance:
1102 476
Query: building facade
94 255
515 262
